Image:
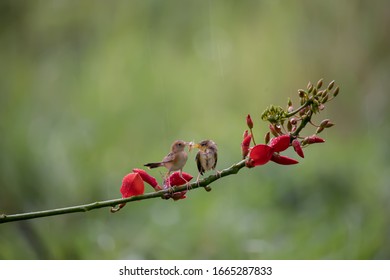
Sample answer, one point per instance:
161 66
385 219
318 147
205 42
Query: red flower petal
148 179
297 148
260 154
132 185
283 159
314 139
245 145
280 143
176 180
246 133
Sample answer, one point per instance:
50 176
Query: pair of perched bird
206 158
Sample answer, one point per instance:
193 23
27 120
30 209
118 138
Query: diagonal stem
4 218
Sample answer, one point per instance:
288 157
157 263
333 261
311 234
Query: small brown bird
175 160
207 157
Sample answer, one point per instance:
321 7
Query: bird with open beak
207 156
175 160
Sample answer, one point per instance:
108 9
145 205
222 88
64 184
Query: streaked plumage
207 157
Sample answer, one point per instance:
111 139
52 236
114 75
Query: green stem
305 120
296 111
4 218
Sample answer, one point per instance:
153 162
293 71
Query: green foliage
89 91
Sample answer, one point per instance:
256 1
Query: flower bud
331 84
245 145
319 129
329 124
314 139
336 91
297 148
249 121
325 98
319 83
324 123
293 121
267 137
309 87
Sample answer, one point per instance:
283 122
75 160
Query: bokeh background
91 89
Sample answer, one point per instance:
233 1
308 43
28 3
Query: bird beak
197 145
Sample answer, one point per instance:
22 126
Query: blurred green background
91 89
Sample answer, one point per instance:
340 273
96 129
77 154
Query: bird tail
153 165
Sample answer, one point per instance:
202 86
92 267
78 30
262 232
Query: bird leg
218 173
187 183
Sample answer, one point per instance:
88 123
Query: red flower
176 180
261 154
132 185
148 179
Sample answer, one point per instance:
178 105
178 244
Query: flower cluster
286 127
133 184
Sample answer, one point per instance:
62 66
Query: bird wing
169 158
199 164
216 159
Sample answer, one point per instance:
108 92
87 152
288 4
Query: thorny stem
4 218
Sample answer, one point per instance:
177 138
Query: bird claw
189 187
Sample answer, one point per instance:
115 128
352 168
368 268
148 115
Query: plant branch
4 218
